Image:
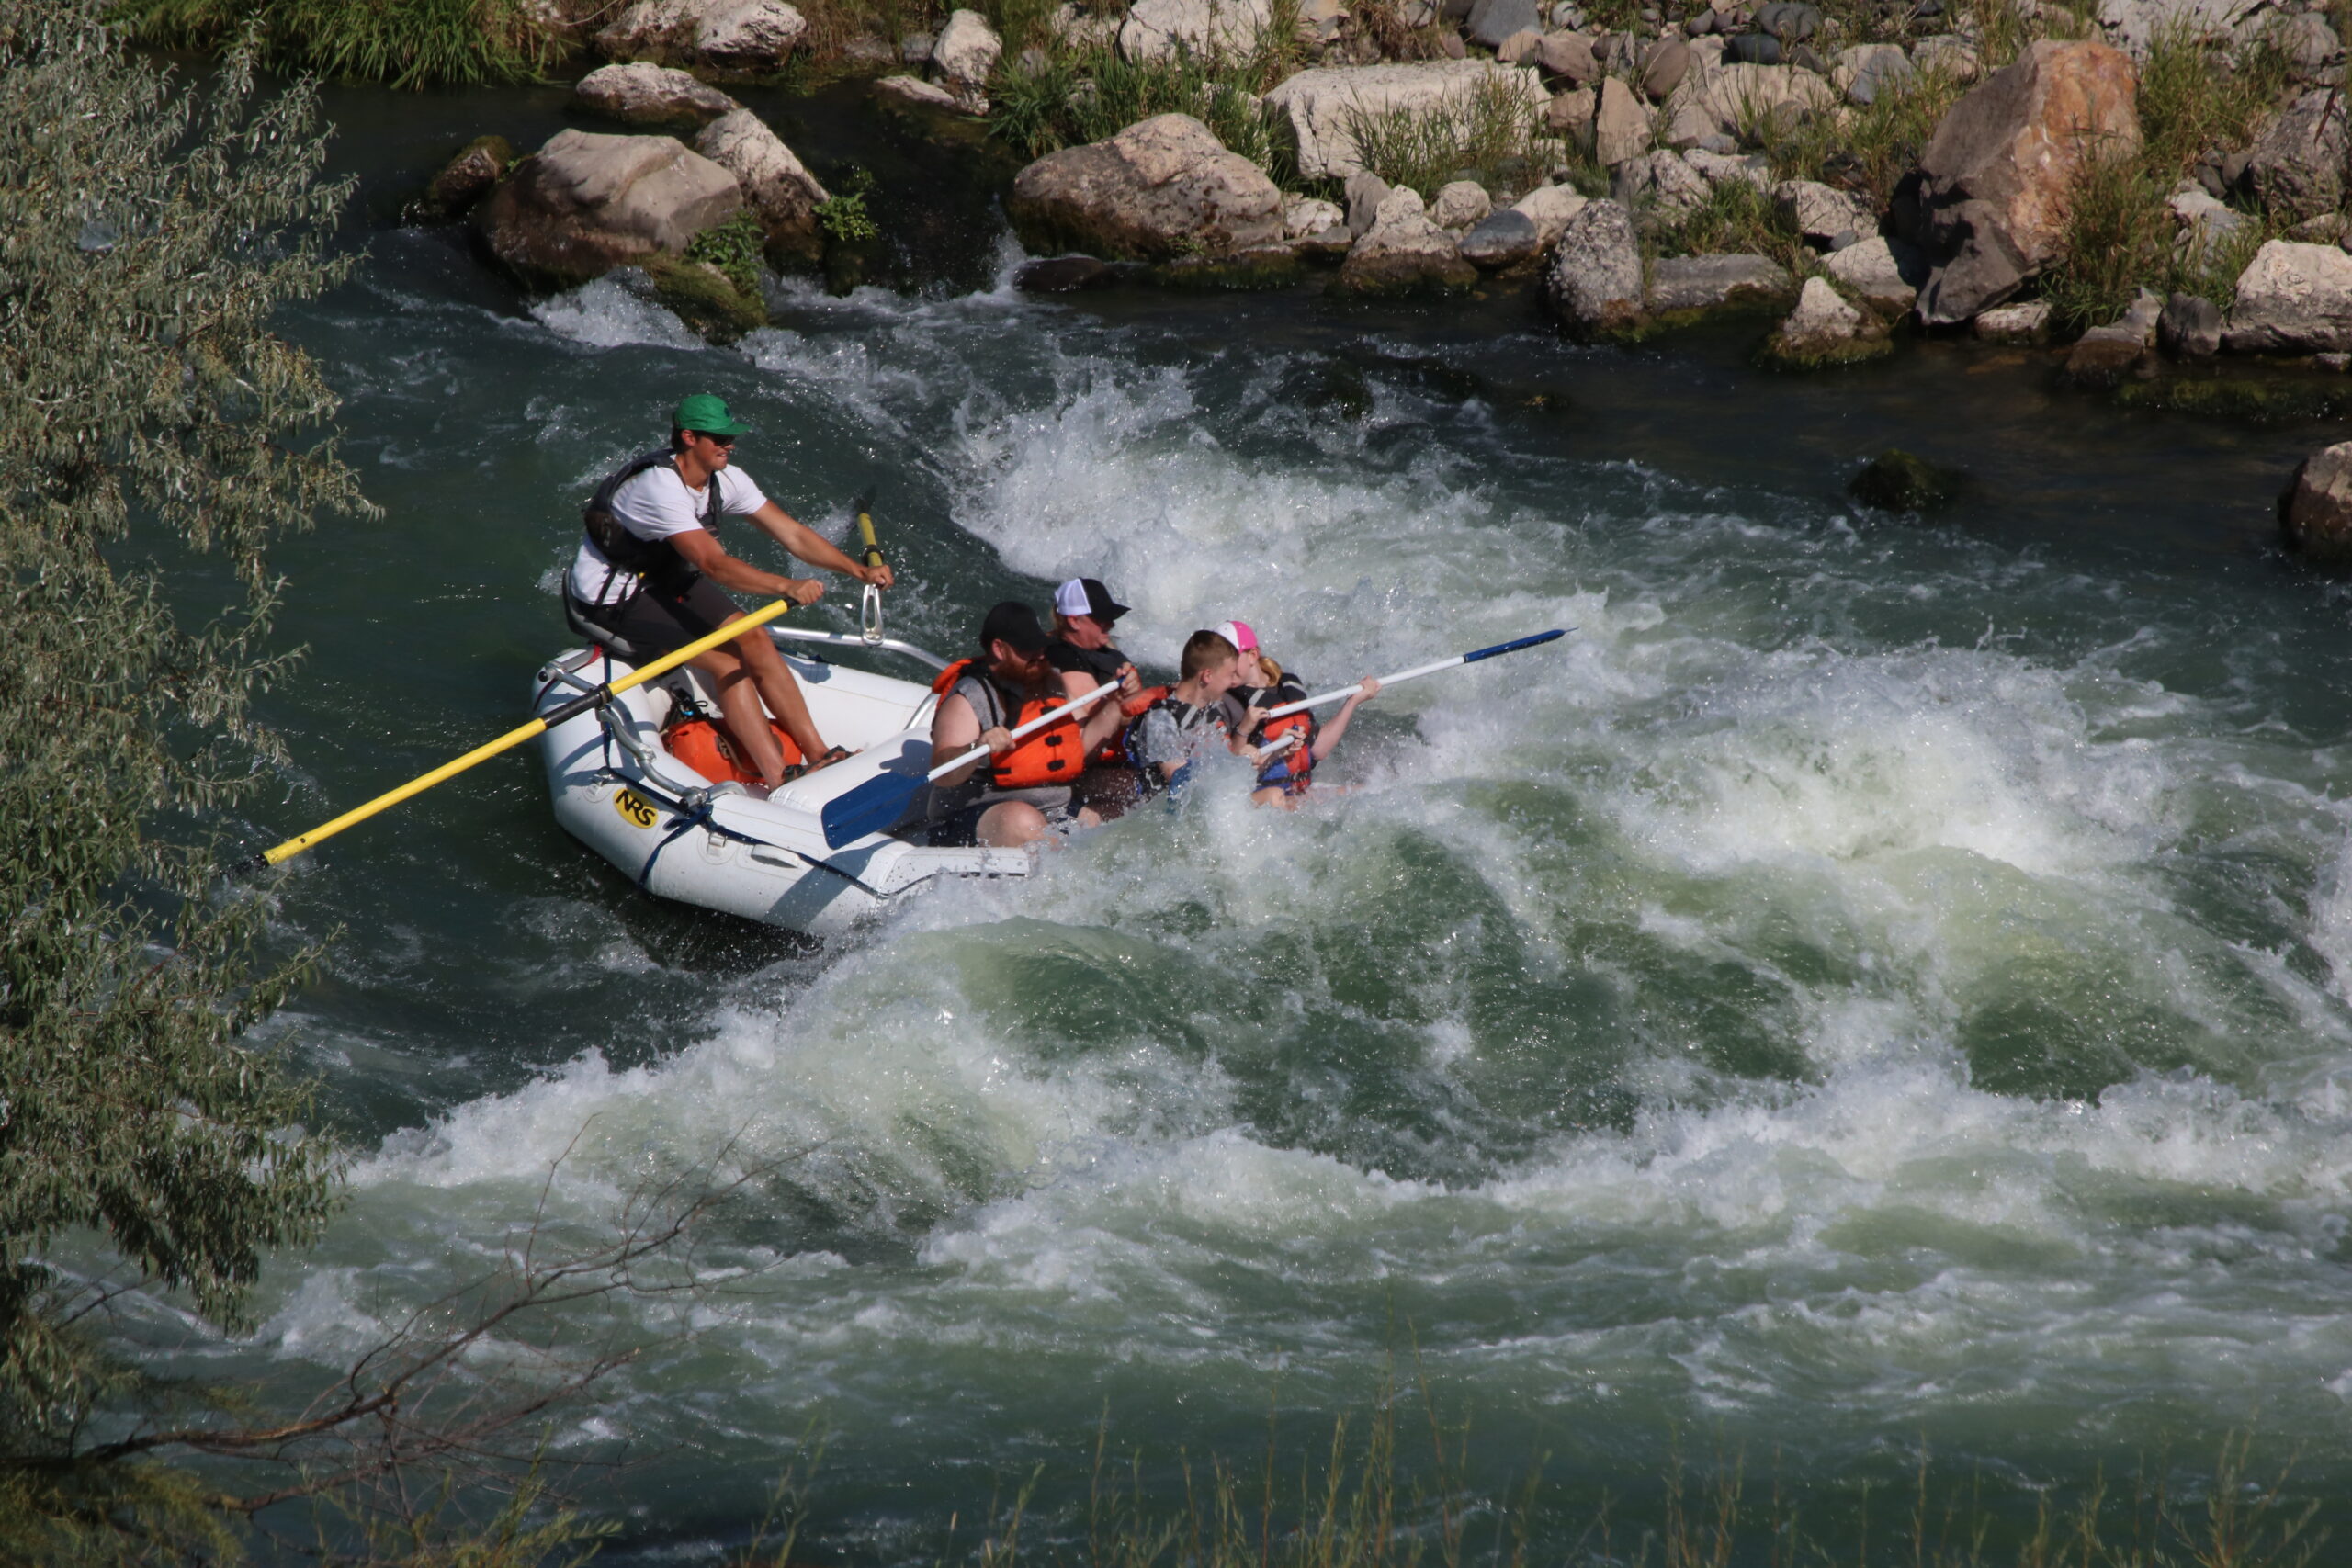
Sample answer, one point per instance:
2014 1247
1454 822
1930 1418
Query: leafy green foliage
408 43
843 216
733 247
154 435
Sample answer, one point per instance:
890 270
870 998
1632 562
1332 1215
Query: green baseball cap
708 414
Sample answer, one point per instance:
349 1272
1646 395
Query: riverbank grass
403 43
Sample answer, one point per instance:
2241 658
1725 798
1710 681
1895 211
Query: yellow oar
513 738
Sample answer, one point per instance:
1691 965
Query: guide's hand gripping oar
1471 657
869 613
513 738
883 799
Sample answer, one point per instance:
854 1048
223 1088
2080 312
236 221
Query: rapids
1878 985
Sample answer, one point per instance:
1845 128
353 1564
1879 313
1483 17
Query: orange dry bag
708 749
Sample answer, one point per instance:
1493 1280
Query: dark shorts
963 830
655 621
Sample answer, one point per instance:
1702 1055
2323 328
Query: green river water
1879 985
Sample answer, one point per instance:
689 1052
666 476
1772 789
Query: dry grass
1491 138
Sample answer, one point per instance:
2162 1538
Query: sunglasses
721 441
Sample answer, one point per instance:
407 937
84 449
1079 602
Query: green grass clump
1737 218
1085 96
733 247
1874 145
405 43
1490 137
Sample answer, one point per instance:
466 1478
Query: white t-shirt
654 505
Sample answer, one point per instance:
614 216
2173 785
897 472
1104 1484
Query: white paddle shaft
1332 696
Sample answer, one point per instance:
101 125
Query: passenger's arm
955 729
809 545
699 548
1338 725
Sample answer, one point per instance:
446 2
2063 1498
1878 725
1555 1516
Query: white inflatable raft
681 836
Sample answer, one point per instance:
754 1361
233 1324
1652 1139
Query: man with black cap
1020 792
1083 654
652 571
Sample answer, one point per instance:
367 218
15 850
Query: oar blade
1514 644
871 807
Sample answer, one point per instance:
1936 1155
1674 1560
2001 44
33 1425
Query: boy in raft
1175 731
652 571
1285 772
1021 791
1081 652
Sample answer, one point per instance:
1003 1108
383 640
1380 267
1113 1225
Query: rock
2307 43
1822 330
1163 188
777 188
1571 114
1315 111
1790 21
2206 226
467 178
1716 167
1326 242
1999 172
2028 323
912 92
1505 238
1065 274
645 94
1819 212
1867 69
1883 273
1521 48
1621 126
1895 480
1404 253
1757 49
1569 57
1947 54
730 35
2133 25
2190 327
1595 282
2339 362
1661 182
1550 208
2292 299
1492 21
1663 71
1308 214
1155 29
2315 513
1257 267
1681 285
2327 229
585 204
1721 100
866 51
2104 356
1365 191
1449 44
917 49
1459 204
2296 167
967 48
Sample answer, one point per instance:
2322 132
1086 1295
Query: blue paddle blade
872 807
1512 647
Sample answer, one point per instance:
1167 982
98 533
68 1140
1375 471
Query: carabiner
869 616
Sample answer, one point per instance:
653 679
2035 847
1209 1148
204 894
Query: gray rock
2297 165
2106 354
967 48
1520 48
916 51
1365 191
1680 284
1157 29
1790 21
584 204
1998 175
2315 513
1316 112
2134 25
1664 69
1661 182
2190 327
1491 21
1883 273
1570 115
1160 189
1307 215
2292 299
1820 212
1550 208
1756 49
1716 167
727 35
913 92
1721 100
1504 239
2028 323
1595 282
1404 253
775 184
1621 126
641 93
1822 330
2309 44
1867 69
1569 57
465 179
1459 204
1948 54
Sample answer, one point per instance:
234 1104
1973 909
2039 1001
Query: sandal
832 755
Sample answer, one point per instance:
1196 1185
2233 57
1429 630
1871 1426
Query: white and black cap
1086 596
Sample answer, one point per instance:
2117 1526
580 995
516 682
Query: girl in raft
1287 749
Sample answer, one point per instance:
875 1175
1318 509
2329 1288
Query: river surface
1878 987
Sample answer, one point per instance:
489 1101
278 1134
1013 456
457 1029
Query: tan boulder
778 186
584 204
1160 189
2315 513
1317 112
1620 126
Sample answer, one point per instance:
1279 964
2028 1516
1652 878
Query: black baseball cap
1087 596
1015 624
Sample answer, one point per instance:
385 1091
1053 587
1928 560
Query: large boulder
1595 283
1493 21
2292 299
1317 112
1550 208
751 35
1822 214
585 204
1661 182
2134 25
1160 189
967 48
2315 513
1156 30
1725 100
1883 273
779 188
642 93
2297 165
1404 253
1620 124
1823 329
1999 174
1687 285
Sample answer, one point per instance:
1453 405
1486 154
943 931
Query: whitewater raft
677 834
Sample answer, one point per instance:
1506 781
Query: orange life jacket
708 749
1112 753
1292 771
1053 755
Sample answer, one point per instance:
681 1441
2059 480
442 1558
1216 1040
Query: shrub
733 247
407 43
1490 137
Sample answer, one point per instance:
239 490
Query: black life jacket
656 561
